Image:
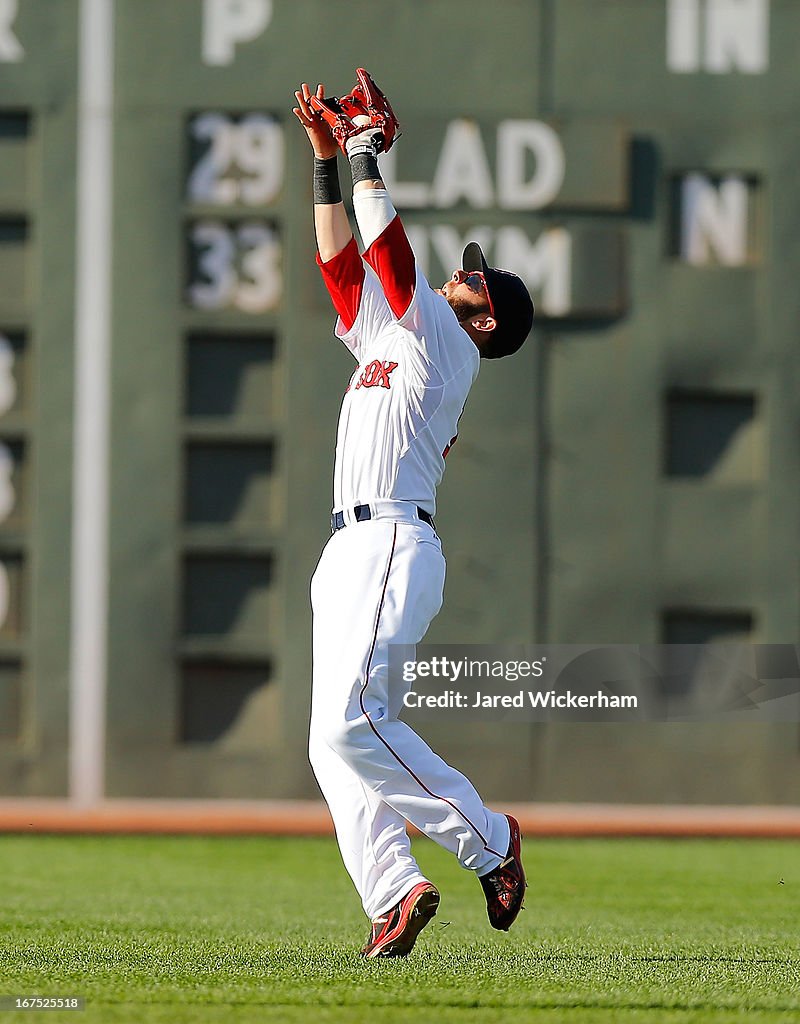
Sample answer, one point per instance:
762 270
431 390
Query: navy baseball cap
513 307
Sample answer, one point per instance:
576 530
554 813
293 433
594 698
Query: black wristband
364 167
327 191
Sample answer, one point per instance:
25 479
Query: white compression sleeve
374 212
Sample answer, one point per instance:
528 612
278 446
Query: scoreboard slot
229 485
215 693
229 597
10 698
14 262
15 132
230 376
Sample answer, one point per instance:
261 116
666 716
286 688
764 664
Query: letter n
714 218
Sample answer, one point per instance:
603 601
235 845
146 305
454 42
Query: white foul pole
91 440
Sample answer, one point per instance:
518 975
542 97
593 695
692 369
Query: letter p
228 22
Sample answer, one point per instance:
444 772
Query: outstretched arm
363 124
337 256
330 218
387 249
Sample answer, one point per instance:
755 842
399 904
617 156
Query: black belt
362 512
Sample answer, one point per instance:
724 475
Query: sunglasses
476 281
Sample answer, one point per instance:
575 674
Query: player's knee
347 737
317 747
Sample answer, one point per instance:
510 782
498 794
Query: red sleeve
344 278
392 259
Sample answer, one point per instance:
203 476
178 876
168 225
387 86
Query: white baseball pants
380 582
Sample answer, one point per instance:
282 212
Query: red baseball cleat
505 886
395 933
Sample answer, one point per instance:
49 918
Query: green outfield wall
630 476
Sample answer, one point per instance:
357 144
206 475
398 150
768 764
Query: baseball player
380 578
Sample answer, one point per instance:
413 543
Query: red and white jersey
416 365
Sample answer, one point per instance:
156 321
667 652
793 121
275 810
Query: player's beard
462 309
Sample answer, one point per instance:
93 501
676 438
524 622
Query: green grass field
190 929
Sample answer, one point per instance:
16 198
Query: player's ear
484 323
